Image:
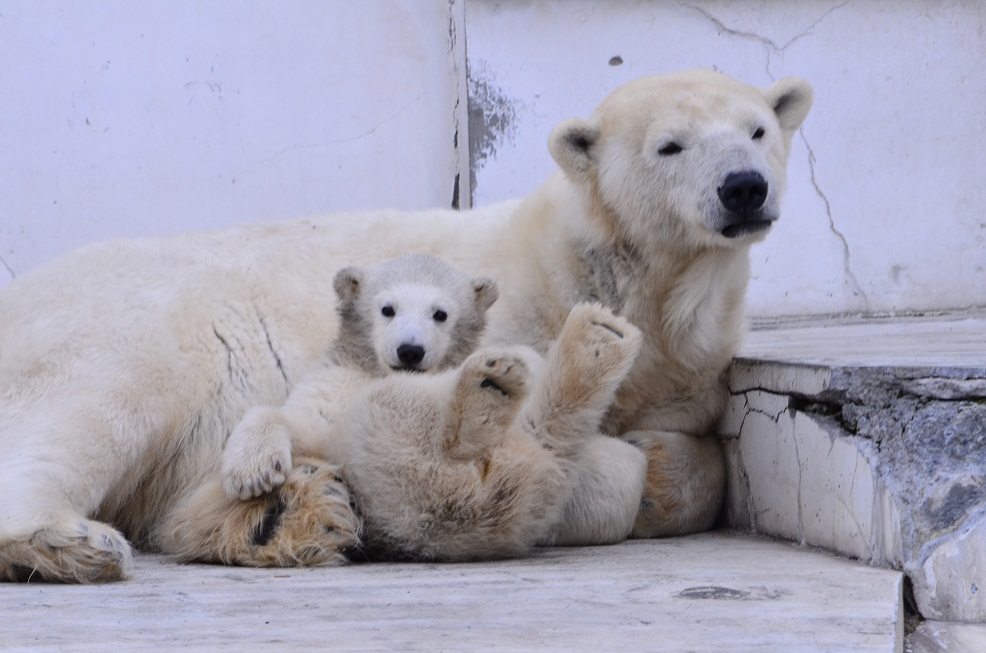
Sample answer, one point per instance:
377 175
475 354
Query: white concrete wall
885 210
126 118
122 118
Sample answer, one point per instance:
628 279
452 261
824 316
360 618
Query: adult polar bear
124 366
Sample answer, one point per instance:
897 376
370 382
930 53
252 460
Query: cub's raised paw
499 371
491 387
257 457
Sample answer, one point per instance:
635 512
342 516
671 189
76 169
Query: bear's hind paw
610 341
68 550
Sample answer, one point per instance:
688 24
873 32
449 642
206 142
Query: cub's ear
487 292
348 282
791 100
572 145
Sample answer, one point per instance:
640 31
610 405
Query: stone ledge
868 440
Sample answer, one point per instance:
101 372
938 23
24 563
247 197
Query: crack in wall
770 46
348 139
775 418
748 409
9 269
846 254
851 511
801 471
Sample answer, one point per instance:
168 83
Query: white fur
413 288
124 366
413 323
487 460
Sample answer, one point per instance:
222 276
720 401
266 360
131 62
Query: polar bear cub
484 461
415 313
479 462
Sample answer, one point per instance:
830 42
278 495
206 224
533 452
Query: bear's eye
757 135
669 149
388 311
440 316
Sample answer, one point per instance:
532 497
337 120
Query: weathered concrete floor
712 592
940 637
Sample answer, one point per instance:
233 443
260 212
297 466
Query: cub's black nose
743 192
410 355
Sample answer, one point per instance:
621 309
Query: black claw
489 383
267 527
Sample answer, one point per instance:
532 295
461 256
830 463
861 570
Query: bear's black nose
743 192
410 355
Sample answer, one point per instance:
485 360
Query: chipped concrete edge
846 431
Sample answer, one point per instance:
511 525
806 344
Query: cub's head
414 313
692 158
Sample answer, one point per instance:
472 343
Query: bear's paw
257 457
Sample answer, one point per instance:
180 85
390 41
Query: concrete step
711 592
868 439
946 637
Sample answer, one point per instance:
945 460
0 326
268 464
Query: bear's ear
487 292
572 145
791 99
347 283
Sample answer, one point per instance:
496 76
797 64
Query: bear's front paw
491 387
502 373
257 457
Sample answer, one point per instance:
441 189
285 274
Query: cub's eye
669 149
440 316
388 311
757 135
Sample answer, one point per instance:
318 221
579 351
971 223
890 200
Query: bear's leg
686 480
591 356
65 548
607 484
490 388
60 462
257 456
307 521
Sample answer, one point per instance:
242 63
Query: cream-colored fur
382 310
480 462
269 511
124 366
410 447
307 521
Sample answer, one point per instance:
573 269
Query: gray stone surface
870 440
711 592
939 637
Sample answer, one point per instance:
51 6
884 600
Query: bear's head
414 313
692 157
